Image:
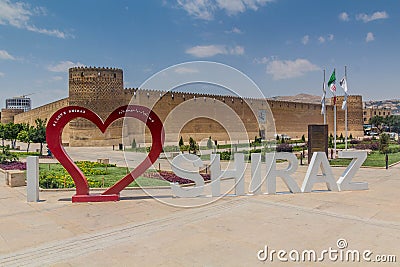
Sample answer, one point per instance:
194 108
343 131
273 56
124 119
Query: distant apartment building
19 103
369 112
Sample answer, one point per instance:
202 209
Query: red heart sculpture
63 116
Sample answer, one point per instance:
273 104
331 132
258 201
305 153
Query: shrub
384 143
181 142
209 143
134 144
354 141
371 146
393 150
284 147
225 155
8 156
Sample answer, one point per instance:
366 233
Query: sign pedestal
317 139
95 198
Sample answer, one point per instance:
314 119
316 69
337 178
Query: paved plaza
142 231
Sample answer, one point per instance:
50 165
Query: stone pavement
142 231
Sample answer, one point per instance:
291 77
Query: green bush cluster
6 155
59 178
53 179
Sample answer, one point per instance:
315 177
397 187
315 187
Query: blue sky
283 45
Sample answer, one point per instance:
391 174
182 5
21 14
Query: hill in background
305 98
393 105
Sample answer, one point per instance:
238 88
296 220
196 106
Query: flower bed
14 165
171 177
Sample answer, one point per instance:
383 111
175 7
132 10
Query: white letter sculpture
285 174
319 161
217 174
187 166
344 181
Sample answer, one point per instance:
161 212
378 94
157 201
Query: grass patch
53 175
374 159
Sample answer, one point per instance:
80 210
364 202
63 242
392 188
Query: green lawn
53 175
374 159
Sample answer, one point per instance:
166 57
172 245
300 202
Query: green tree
303 138
39 135
330 141
181 142
209 143
351 136
378 122
2 134
26 135
341 137
133 144
192 145
384 143
11 132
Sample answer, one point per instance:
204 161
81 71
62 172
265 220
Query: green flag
331 82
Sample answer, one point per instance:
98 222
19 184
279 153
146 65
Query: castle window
99 74
82 74
115 75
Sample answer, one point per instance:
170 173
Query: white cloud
205 9
5 55
185 70
201 9
321 39
375 16
2 74
212 50
262 60
237 50
19 15
370 37
57 78
235 30
287 69
344 16
63 66
206 50
305 39
330 37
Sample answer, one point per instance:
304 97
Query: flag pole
334 123
324 101
345 112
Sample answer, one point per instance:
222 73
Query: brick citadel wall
44 113
102 90
7 115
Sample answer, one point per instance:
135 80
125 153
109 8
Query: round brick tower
100 90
